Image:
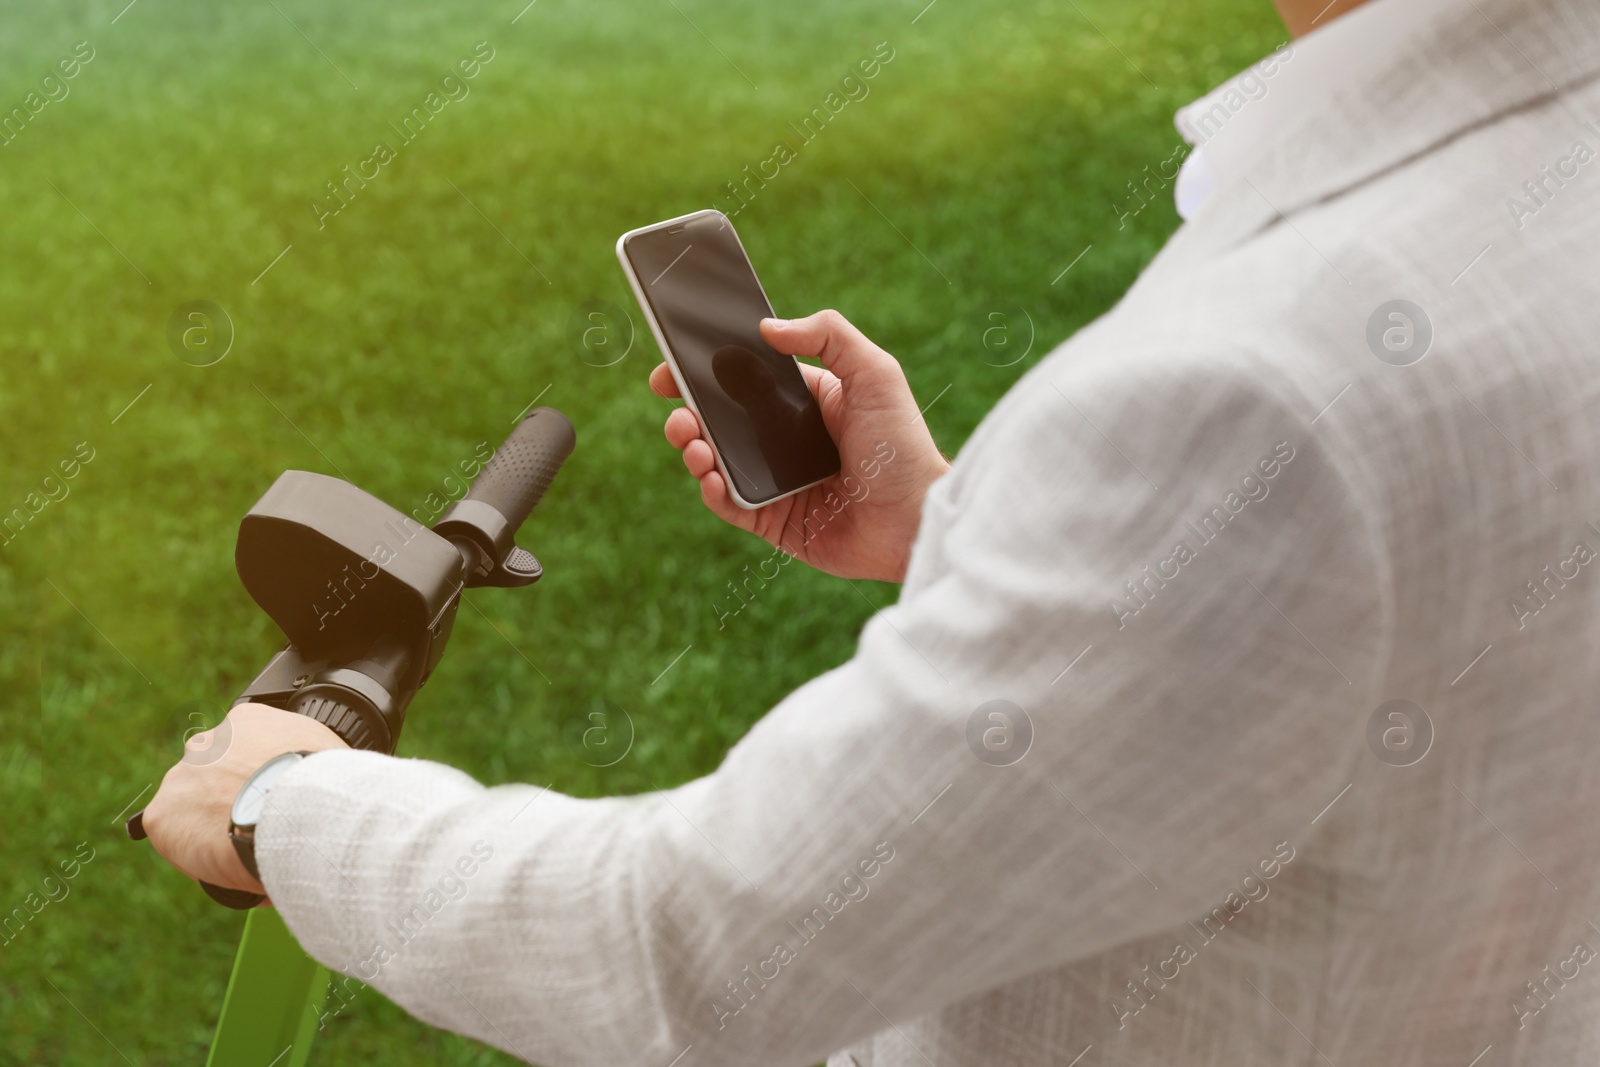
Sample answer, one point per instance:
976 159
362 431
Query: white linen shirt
1198 555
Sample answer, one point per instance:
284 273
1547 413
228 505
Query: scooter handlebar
512 483
517 475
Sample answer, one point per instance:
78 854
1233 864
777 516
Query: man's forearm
492 912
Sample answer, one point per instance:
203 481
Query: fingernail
776 324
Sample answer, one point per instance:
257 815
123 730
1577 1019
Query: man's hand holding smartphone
865 401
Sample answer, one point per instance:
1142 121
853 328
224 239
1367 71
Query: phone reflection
753 383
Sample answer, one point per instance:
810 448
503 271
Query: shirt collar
1300 123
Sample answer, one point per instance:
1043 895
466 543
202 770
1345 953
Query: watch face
252 799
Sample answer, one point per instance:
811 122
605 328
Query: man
1237 705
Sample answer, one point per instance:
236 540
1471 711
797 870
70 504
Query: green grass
409 330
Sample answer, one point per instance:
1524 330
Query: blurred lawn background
997 144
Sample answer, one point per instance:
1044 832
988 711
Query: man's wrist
250 804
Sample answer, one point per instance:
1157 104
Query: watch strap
244 843
244 837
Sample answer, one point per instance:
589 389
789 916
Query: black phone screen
754 403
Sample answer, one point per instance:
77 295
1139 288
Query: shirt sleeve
1134 653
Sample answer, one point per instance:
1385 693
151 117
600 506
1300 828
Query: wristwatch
249 804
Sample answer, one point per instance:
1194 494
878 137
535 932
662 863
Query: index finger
662 383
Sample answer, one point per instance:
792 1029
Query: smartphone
704 304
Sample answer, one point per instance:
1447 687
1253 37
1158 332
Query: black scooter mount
367 596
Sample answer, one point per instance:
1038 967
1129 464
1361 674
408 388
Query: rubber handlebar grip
521 469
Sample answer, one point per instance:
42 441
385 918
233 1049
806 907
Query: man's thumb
829 337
